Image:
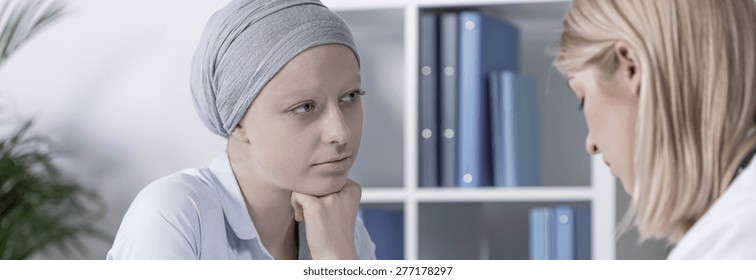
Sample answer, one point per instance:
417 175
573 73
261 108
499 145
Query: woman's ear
240 133
629 65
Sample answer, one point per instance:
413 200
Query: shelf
351 5
386 33
508 194
487 194
389 54
383 195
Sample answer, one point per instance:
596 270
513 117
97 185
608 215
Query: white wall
110 83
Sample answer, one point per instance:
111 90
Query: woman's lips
335 165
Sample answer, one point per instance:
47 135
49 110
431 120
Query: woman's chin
627 185
325 187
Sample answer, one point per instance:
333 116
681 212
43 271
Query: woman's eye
304 108
349 97
352 96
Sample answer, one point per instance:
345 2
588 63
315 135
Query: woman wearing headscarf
280 80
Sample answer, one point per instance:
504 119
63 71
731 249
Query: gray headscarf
245 44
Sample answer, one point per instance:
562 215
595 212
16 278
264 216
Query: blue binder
564 224
428 135
448 50
522 126
499 154
583 233
536 231
514 125
386 229
486 44
541 233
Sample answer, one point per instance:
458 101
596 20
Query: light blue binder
486 44
564 223
514 125
536 229
541 233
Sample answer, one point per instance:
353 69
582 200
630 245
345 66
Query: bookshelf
480 223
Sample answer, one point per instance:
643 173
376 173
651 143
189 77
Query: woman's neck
268 206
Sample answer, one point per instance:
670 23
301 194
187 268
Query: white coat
728 229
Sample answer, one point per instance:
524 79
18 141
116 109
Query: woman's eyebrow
353 89
354 84
294 96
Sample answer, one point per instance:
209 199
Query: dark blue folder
583 233
386 229
448 50
428 135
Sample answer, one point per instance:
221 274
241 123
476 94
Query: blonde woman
667 88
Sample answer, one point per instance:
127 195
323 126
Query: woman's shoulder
166 218
727 230
736 208
189 189
728 236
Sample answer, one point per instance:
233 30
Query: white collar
234 207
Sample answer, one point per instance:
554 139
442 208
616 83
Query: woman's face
304 127
610 105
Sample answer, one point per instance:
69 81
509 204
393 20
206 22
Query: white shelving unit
534 194
386 32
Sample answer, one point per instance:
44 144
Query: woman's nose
336 130
590 146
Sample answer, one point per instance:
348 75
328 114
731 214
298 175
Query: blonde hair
697 97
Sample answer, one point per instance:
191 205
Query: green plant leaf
40 208
25 18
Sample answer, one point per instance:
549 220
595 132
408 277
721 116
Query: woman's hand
329 221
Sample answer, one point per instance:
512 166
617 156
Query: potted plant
40 208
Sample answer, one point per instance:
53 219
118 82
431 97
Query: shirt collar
234 207
743 164
746 174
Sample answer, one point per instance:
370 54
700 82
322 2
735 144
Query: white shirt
728 229
201 214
